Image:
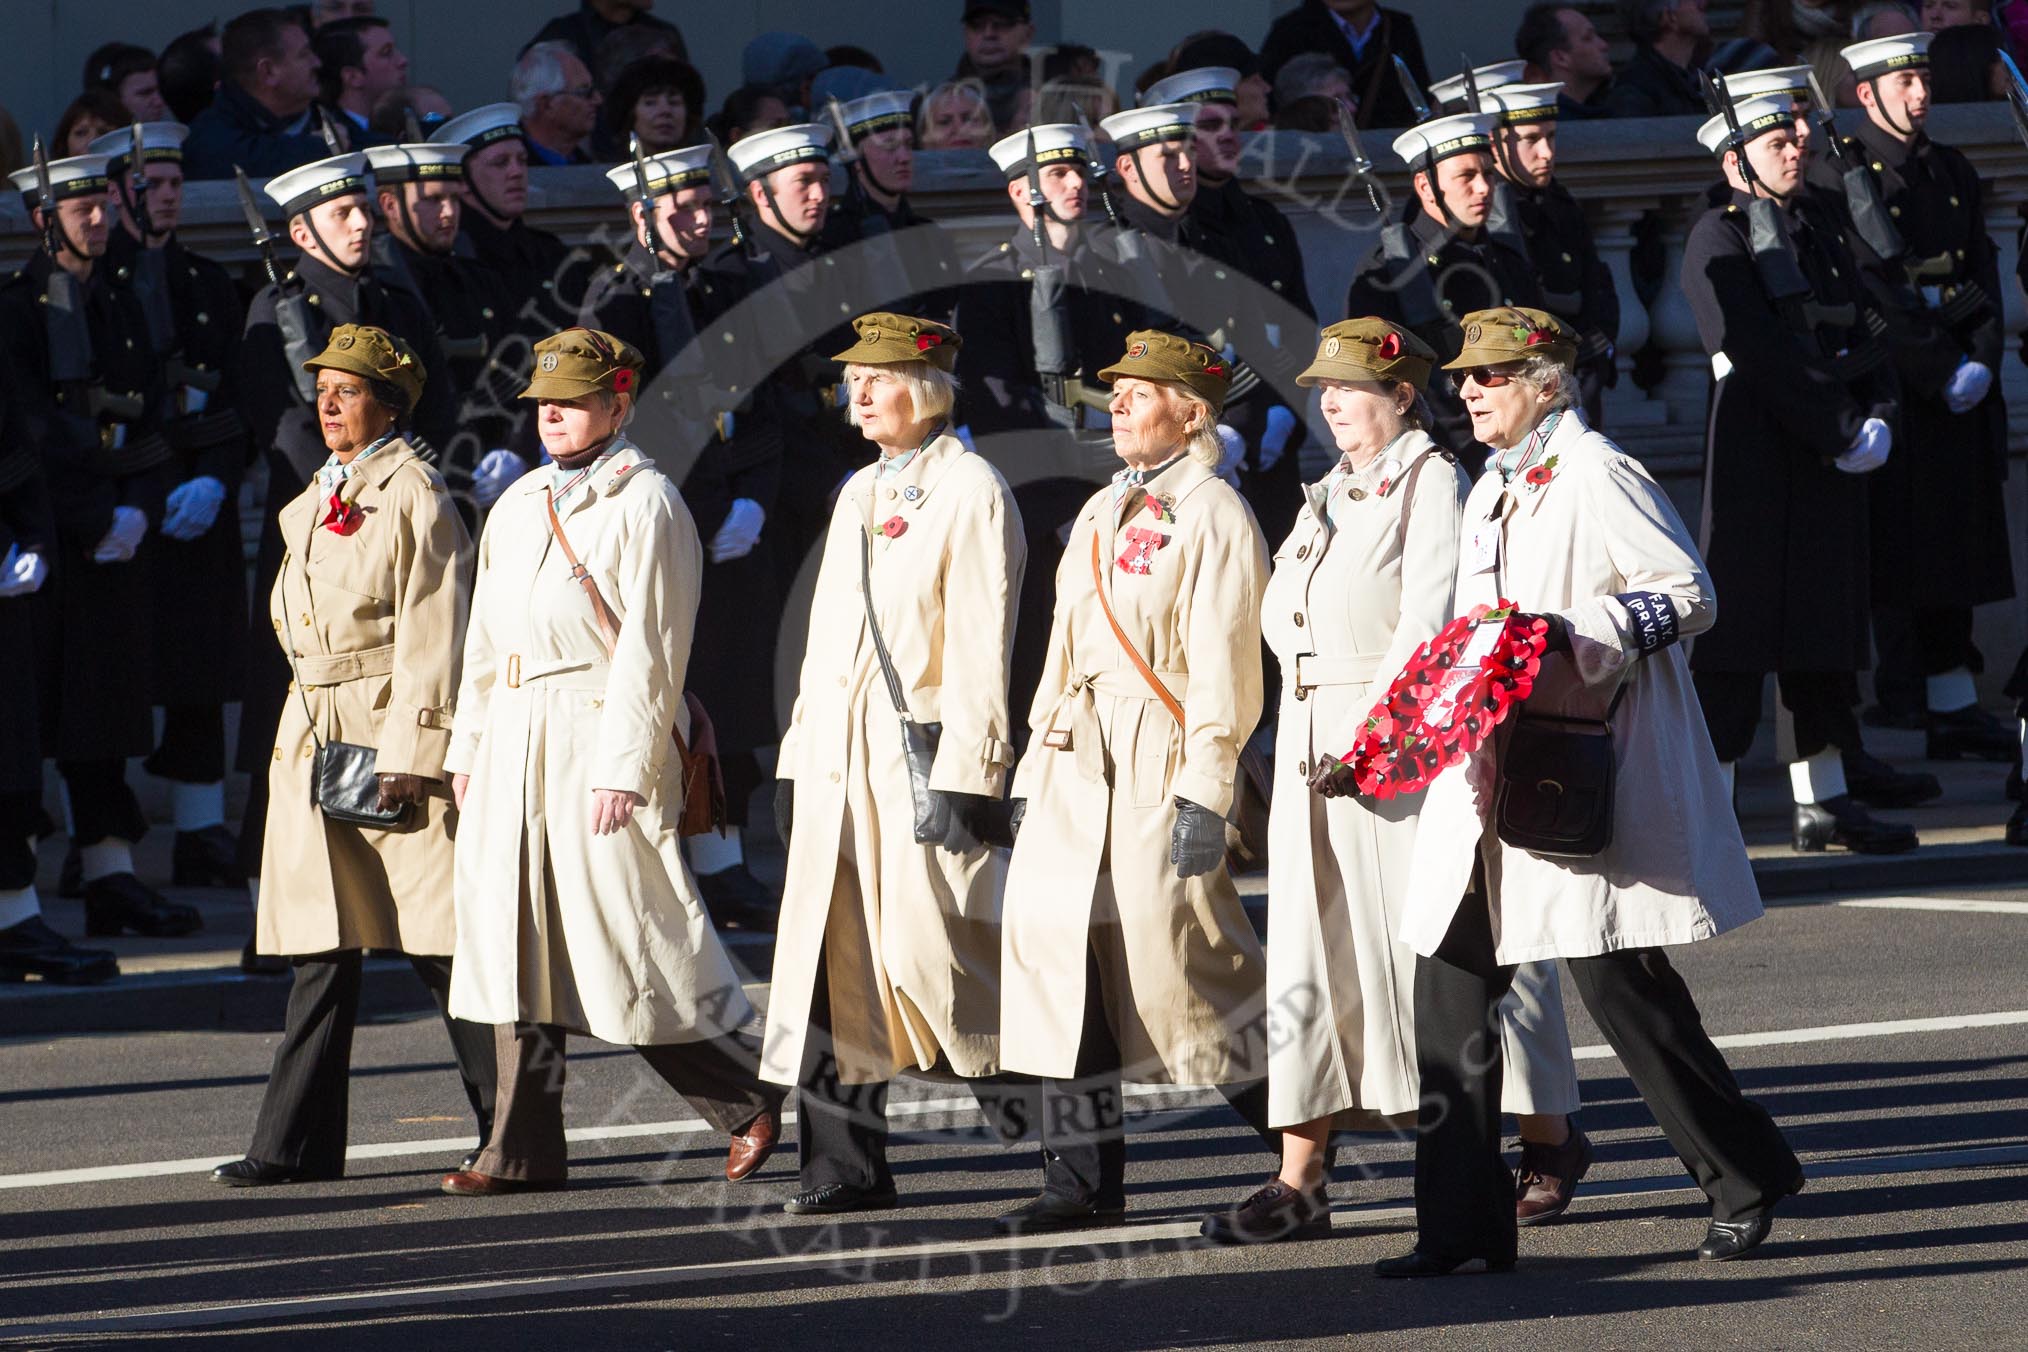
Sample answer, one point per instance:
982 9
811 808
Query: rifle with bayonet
1096 171
137 182
726 184
45 202
1362 163
1870 221
290 318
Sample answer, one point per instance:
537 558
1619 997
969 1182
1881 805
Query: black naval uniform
1784 530
93 630
284 429
1575 285
908 260
1422 275
199 599
737 455
484 363
1939 521
1243 232
1034 424
819 448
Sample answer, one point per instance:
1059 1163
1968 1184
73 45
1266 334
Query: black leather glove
1017 812
1197 842
397 790
785 806
1558 637
970 826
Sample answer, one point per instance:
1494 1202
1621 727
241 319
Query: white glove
1281 425
1869 450
1234 451
193 507
740 533
497 469
129 525
21 574
1968 385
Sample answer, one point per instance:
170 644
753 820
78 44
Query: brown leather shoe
472 1183
1274 1212
1548 1178
750 1149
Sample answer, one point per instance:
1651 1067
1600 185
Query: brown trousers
718 1077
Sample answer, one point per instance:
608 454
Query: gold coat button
834 776
1301 694
308 751
278 753
1303 769
1302 551
1299 619
306 621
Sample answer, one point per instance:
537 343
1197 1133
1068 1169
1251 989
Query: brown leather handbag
1246 825
703 781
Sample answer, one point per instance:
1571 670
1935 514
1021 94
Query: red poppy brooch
341 517
1455 690
893 527
1538 476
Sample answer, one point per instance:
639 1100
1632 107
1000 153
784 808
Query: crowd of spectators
612 70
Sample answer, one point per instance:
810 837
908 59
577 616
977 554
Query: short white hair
540 71
932 391
1201 444
1543 371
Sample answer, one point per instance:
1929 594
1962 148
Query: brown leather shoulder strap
1098 577
602 614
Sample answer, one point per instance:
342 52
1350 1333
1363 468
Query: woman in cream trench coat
575 909
368 605
1366 575
1565 525
1127 953
889 951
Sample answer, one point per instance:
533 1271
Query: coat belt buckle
513 671
1057 739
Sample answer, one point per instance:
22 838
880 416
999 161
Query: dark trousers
20 816
192 747
1814 712
1464 1193
102 804
718 1077
841 1129
742 773
1082 1121
303 1113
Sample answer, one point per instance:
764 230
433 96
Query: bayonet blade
846 152
329 131
1348 128
256 224
1409 87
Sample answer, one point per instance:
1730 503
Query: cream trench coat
1182 970
1352 595
910 933
1602 546
596 934
373 618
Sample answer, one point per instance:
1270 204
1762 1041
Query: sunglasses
1488 377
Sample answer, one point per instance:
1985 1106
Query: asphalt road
1900 1080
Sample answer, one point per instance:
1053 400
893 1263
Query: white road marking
963 1110
920 1254
1968 905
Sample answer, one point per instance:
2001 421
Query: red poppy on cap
1540 336
623 380
1389 348
925 341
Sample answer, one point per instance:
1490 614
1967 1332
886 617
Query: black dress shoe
32 948
206 858
2012 792
736 899
1840 821
1974 734
257 1174
1275 1212
469 1163
832 1199
1053 1211
1416 1263
1729 1239
120 902
1875 783
2017 826
70 878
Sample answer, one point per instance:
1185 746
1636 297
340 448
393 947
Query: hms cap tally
1055 142
879 112
670 171
161 143
416 161
1756 117
481 127
764 152
1442 137
77 176
300 189
1155 125
1206 84
1445 92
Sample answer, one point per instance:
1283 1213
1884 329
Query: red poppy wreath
1455 690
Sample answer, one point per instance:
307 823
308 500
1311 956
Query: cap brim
559 387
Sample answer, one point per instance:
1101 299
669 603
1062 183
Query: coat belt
319 669
559 673
1315 669
1082 737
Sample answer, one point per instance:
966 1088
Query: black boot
206 858
2017 826
1877 784
262 964
1840 821
32 948
120 902
736 899
1972 733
